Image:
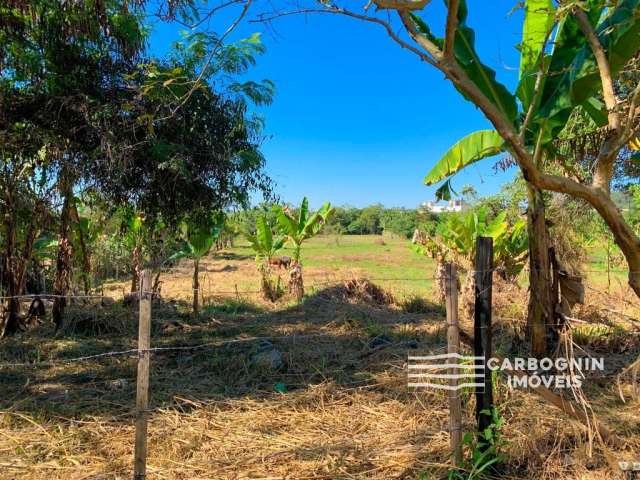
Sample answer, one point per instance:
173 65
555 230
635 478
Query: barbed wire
136 351
220 292
48 295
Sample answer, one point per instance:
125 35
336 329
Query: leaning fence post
142 393
482 330
453 346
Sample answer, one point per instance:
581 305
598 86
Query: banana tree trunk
196 286
440 284
135 265
296 283
269 289
541 305
62 280
469 295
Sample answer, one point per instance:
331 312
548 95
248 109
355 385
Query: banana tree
85 233
44 250
265 246
199 236
133 237
539 19
297 229
455 240
573 60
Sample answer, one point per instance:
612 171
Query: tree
297 229
266 247
60 62
25 214
199 233
571 59
204 143
75 87
455 240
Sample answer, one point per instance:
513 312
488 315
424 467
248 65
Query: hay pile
359 290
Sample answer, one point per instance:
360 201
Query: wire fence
316 287
293 337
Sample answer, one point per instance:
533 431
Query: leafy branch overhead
571 60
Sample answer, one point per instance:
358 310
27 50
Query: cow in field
280 262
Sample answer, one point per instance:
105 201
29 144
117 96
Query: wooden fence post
142 393
482 329
453 346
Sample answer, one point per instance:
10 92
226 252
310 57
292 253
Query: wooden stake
142 394
482 329
453 346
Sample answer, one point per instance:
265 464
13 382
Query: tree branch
452 26
610 147
341 11
404 5
631 115
421 40
603 66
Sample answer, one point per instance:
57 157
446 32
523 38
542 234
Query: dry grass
345 412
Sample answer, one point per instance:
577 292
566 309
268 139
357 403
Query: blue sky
356 119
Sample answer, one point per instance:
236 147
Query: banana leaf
472 148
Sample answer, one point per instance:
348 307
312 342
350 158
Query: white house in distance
451 206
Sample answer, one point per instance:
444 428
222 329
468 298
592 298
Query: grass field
335 407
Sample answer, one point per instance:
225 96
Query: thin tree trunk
135 264
86 259
15 265
62 280
540 309
196 286
11 324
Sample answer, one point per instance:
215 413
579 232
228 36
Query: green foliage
539 19
45 247
456 234
555 56
619 32
484 77
263 242
472 148
484 448
634 211
459 232
300 227
199 233
376 219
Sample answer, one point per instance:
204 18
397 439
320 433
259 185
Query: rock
117 384
107 301
269 359
412 344
380 341
265 345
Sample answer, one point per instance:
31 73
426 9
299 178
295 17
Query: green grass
330 257
394 264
